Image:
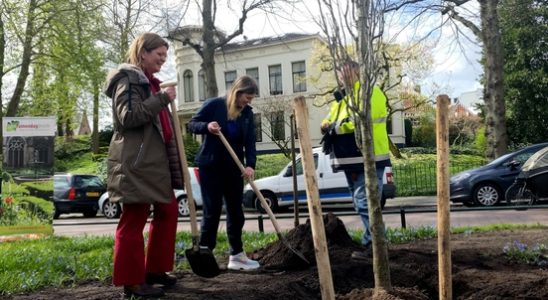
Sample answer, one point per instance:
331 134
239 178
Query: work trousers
131 261
356 184
218 183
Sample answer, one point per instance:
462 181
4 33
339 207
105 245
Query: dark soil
480 271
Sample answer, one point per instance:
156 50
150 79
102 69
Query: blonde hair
242 85
147 41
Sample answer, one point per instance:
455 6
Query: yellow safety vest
340 115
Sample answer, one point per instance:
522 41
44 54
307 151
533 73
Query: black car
486 185
76 193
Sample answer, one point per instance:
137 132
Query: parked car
76 193
486 185
113 210
333 188
530 185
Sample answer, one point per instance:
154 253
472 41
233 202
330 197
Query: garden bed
480 270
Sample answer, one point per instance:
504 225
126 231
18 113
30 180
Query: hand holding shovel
261 198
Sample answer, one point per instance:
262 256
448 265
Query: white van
333 188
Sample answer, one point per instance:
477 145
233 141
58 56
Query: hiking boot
142 291
160 278
241 262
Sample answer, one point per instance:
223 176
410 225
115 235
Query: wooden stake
442 170
313 199
186 173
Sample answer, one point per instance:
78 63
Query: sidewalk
391 216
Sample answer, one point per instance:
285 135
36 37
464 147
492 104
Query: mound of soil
480 271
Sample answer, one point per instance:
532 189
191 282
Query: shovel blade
202 262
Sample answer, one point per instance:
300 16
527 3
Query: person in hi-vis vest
345 154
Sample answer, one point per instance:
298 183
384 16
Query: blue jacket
212 151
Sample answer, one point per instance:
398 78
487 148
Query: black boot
160 278
142 290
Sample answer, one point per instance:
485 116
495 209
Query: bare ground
480 271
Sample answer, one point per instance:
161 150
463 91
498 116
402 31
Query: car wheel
487 194
111 210
183 207
270 199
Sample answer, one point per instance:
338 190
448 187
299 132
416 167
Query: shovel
262 199
201 259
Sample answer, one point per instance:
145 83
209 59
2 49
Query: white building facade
471 99
283 69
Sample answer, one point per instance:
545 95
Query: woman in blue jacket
220 177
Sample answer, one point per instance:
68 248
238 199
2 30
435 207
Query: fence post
402 217
260 222
442 173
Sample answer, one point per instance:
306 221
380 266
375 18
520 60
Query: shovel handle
252 183
186 174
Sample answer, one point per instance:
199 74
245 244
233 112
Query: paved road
75 225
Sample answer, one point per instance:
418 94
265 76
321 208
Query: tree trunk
367 61
497 138
95 133
208 53
2 57
13 105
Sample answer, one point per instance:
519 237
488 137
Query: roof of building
248 43
460 110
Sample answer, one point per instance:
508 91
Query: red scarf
164 113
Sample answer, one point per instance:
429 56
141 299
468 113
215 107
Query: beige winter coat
138 167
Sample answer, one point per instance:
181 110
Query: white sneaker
241 262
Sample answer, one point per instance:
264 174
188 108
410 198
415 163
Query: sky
456 68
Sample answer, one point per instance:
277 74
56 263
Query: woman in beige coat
143 169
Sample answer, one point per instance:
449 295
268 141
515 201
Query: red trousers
131 262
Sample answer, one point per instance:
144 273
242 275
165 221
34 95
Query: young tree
361 24
401 70
274 121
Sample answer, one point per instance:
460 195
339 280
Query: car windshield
299 166
521 158
500 159
87 181
60 182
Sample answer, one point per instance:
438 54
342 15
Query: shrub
191 148
424 135
480 141
105 136
418 150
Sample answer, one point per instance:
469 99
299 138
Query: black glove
339 94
